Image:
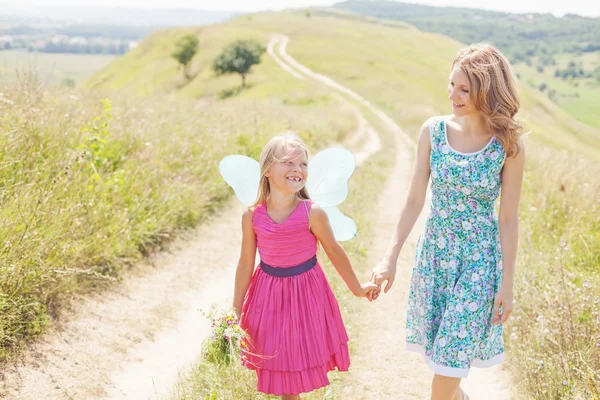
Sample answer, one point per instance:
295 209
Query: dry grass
554 337
89 185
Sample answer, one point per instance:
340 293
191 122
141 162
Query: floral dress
458 266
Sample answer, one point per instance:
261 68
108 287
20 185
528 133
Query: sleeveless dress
295 328
458 266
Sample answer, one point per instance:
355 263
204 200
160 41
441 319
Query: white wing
243 175
327 185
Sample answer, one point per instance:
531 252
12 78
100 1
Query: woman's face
459 93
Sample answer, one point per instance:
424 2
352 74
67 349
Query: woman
462 282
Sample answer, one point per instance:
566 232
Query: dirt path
381 367
132 341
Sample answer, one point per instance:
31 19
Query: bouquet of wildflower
227 339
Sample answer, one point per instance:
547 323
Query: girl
462 283
287 307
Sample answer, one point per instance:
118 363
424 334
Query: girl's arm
245 266
319 222
508 224
386 269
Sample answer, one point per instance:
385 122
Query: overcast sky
582 7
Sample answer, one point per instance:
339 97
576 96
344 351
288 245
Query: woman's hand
384 271
504 299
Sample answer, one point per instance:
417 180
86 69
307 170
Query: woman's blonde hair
494 93
271 154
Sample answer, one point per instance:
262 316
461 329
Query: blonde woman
462 282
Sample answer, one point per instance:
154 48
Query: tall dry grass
554 336
90 184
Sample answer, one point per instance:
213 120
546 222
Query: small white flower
434 174
484 182
461 207
444 264
445 149
467 225
462 334
475 277
494 155
452 264
459 308
462 356
476 257
499 265
441 242
480 218
443 214
473 306
442 342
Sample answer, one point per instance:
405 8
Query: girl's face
459 93
289 172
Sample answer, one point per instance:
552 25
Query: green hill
396 66
404 72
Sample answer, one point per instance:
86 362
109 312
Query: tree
238 58
187 46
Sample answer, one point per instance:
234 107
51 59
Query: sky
590 8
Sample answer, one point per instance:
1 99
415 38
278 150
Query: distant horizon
583 8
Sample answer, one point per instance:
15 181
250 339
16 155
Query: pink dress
295 327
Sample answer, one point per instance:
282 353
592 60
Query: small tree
187 46
238 58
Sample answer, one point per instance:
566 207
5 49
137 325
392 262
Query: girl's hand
504 299
237 312
366 290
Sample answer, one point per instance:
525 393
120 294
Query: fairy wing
243 175
328 174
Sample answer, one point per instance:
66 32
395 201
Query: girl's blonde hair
493 91
271 154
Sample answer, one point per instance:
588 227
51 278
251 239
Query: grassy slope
396 66
156 159
404 71
580 101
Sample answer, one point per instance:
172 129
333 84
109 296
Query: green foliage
519 36
238 57
186 49
227 340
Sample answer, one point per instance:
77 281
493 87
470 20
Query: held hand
504 299
384 271
366 290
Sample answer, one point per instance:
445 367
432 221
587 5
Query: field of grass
580 97
395 66
55 69
88 185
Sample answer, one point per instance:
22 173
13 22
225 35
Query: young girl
296 333
462 283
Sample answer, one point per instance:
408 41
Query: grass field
580 97
56 69
395 66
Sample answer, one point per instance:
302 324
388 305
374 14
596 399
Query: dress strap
307 212
435 129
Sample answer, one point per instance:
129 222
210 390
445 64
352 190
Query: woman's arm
245 267
386 269
319 222
508 224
